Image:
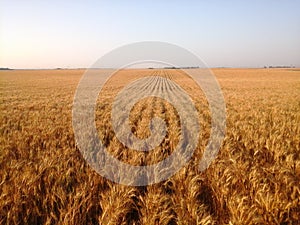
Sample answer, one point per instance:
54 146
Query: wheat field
255 178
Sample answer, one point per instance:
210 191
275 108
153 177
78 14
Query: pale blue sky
50 34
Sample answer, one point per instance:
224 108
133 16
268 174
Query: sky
74 34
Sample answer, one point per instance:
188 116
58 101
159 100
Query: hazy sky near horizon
68 34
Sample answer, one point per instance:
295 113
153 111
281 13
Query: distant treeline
279 66
5 68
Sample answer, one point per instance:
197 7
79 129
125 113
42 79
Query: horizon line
181 67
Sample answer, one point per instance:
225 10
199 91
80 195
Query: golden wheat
254 180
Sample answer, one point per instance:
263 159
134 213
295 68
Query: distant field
254 180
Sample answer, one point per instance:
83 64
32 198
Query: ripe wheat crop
255 178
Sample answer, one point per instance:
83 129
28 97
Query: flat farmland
255 178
